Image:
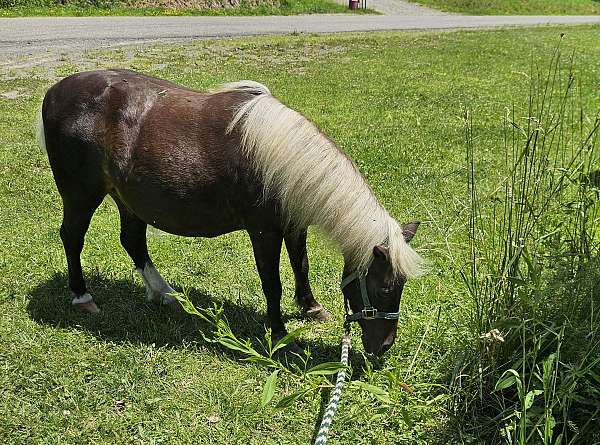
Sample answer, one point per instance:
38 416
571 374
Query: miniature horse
203 164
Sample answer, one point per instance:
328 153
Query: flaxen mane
315 182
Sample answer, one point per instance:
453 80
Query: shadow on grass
127 317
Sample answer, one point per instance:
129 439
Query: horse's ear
409 230
382 252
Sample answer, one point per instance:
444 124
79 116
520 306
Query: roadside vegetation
515 7
82 8
488 137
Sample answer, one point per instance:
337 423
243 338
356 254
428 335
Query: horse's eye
387 290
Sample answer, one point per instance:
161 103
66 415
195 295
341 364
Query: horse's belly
205 216
209 225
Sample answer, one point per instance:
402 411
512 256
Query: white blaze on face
157 289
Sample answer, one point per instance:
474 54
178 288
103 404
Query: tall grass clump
531 372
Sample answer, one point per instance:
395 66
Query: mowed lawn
516 7
140 374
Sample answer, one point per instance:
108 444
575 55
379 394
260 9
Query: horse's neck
315 183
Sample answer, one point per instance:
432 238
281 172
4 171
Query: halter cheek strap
368 312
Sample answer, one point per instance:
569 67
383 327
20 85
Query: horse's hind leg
77 214
133 239
296 247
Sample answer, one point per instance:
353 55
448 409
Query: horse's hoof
161 298
89 307
291 352
85 303
318 313
291 349
174 307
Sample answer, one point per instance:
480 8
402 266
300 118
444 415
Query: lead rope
337 392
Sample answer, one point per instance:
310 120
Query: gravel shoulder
400 7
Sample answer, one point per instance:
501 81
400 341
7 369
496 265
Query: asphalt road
24 37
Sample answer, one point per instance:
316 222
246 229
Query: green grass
288 7
515 7
138 374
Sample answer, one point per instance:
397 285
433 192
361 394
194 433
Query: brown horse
203 164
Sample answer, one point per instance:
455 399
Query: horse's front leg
296 247
267 250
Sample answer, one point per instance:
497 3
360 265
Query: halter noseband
368 312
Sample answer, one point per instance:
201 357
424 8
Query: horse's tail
41 135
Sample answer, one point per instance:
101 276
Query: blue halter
368 312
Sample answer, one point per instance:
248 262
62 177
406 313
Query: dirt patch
14 94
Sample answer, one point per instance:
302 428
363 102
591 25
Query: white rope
335 395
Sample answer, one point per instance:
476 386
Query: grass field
139 374
515 7
287 7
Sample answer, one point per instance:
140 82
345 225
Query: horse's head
374 298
